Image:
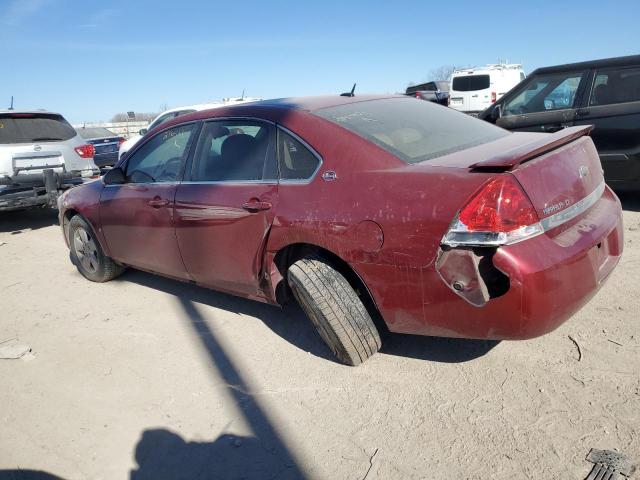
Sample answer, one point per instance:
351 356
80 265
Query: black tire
335 310
87 255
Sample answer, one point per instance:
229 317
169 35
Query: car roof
309 104
601 63
267 108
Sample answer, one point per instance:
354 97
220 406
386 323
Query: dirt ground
148 378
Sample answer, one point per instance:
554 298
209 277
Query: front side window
471 83
545 92
160 159
615 86
295 161
412 131
234 150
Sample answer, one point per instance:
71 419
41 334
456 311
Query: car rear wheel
335 310
87 255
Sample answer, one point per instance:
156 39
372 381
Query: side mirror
496 113
142 132
115 176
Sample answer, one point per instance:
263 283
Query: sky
91 59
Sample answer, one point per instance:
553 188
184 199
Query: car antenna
11 106
242 97
351 93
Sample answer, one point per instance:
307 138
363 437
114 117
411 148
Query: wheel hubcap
86 250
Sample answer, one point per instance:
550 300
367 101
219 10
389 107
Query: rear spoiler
531 150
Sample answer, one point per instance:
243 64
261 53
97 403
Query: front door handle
256 205
157 202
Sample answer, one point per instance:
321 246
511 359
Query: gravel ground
148 378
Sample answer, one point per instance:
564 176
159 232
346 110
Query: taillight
494 97
418 95
499 213
86 151
121 141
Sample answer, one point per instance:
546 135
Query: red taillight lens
121 141
86 151
417 94
501 206
494 97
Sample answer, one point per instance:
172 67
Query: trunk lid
561 172
564 182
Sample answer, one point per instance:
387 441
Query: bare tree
443 72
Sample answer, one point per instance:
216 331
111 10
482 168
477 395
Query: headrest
238 145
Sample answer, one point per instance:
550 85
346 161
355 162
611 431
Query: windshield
34 127
411 129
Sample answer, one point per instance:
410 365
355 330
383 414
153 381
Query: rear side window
234 150
30 128
471 83
412 130
296 162
616 86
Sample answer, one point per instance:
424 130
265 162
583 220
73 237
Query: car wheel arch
66 218
289 254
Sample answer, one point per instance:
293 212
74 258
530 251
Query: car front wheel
335 309
87 255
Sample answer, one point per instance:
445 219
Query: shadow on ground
291 324
16 222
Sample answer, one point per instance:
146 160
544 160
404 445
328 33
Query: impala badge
37 148
583 170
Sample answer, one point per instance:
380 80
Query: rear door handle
158 202
256 206
581 112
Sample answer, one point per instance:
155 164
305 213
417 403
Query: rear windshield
422 87
88 133
34 127
470 83
411 129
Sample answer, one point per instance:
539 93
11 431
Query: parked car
474 89
603 93
40 155
436 92
361 207
105 142
176 112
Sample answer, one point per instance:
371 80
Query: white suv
40 155
475 89
176 112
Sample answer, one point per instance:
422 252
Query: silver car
40 155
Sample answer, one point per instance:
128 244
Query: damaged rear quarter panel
412 204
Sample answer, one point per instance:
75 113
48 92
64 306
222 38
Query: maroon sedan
363 208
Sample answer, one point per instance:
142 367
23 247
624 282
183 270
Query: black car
603 93
437 92
105 142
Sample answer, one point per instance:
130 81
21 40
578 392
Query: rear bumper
551 277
